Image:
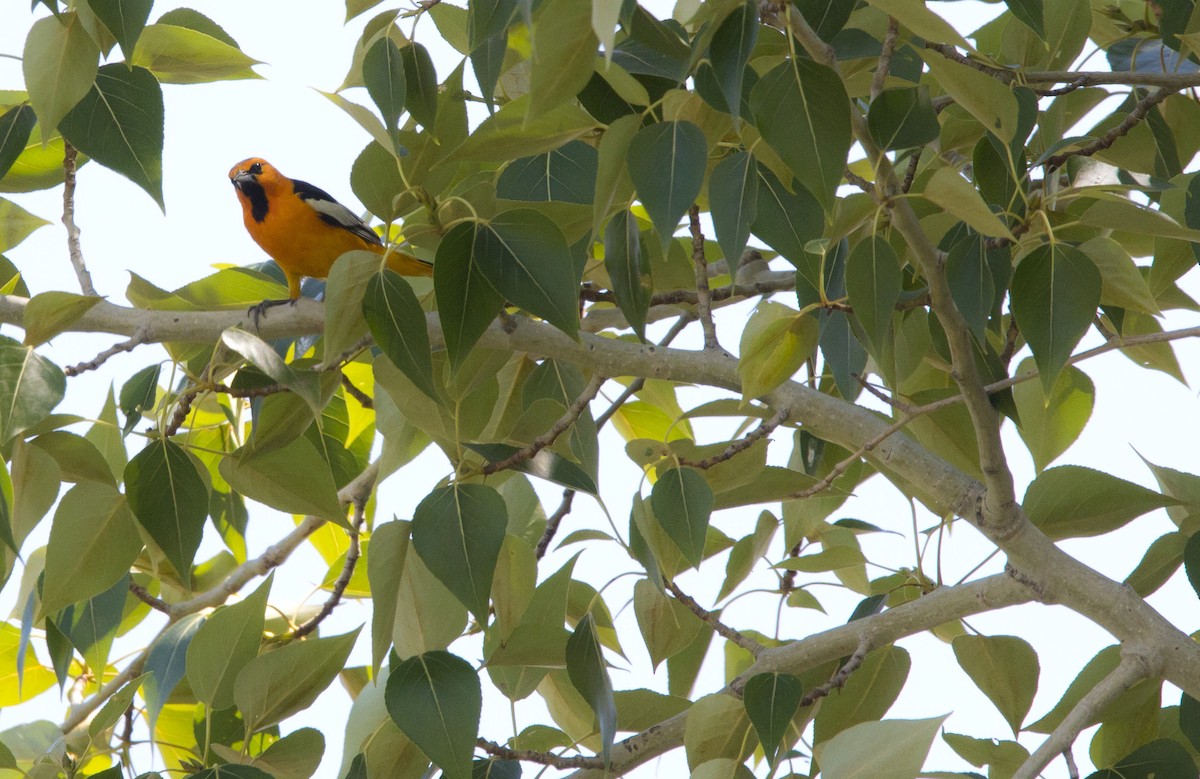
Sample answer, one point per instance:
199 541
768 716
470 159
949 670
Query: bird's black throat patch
258 199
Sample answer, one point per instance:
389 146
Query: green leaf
1055 292
270 478
746 553
166 665
92 625
169 500
138 395
125 19
1030 14
508 134
1191 562
524 256
585 666
786 221
628 269
948 189
803 113
420 84
435 700
682 502
30 388
383 74
729 52
733 199
832 559
458 530
16 125
306 385
223 645
1002 757
1158 759
119 124
467 302
178 53
276 685
93 541
545 464
488 18
344 289
1049 425
1160 562
970 271
776 342
1005 668
398 326
991 102
874 284
49 313
666 162
1071 501
113 709
667 626
59 64
903 118
867 695
897 749
613 186
295 756
564 54
194 20
717 727
771 700
385 565
564 175
16 224
1123 284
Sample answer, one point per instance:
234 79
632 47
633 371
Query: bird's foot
257 312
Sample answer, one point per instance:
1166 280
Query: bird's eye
255 169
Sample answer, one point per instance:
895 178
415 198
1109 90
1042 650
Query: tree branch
741 444
928 611
553 521
541 758
726 632
1109 138
550 436
703 294
1133 668
852 664
127 345
74 250
343 579
885 57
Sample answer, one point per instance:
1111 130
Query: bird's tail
407 265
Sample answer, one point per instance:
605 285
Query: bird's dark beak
242 178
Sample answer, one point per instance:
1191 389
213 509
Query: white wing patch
336 213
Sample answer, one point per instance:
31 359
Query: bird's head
256 174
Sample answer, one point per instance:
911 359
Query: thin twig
1109 138
1074 85
541 758
183 407
885 57
347 355
785 283
838 681
703 293
745 642
1134 667
910 173
740 445
142 594
553 521
1072 769
860 182
550 436
363 398
951 53
123 346
74 251
343 579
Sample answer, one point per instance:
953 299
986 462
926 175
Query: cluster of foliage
927 195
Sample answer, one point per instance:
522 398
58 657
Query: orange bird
303 228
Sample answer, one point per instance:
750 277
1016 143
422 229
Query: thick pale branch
1134 667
